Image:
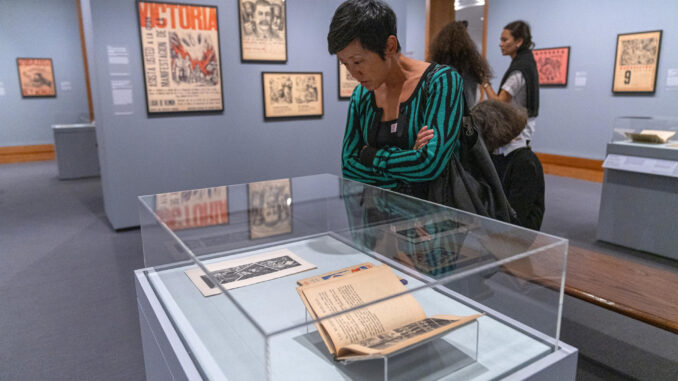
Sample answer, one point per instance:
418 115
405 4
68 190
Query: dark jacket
523 182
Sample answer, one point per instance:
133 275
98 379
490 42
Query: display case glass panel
328 278
659 131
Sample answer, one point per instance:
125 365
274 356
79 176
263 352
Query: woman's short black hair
370 21
520 29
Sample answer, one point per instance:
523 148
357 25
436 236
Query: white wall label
117 55
122 97
66 86
580 79
641 165
2 89
672 79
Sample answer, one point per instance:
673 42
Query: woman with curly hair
453 47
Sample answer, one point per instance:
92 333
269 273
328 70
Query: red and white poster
552 64
36 77
180 49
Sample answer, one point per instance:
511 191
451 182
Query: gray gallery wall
141 155
578 121
41 29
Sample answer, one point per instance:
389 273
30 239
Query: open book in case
345 281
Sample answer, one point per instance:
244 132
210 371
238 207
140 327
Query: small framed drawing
36 77
636 61
292 95
552 65
346 82
269 208
181 57
193 208
263 30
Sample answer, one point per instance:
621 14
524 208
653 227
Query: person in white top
520 84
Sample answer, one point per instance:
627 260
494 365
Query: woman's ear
391 46
519 42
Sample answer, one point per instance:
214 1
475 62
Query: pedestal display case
319 277
640 187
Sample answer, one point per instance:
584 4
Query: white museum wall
146 155
578 121
40 29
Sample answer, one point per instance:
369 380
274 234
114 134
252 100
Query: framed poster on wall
292 95
181 56
270 208
552 65
346 82
263 30
36 77
636 61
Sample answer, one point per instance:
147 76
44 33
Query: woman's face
364 65
508 45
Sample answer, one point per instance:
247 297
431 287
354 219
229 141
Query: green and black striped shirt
437 102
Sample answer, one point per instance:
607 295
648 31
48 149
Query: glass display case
646 130
319 277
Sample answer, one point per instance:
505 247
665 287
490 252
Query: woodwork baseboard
575 167
21 154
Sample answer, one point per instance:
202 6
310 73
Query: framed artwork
181 55
263 30
346 82
552 65
193 208
270 208
292 95
636 61
36 77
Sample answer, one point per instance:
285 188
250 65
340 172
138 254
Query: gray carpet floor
67 299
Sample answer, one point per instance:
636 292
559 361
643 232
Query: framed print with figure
552 65
346 82
36 77
263 30
181 57
270 208
292 94
636 61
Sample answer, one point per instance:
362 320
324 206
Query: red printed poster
36 77
552 64
193 208
180 47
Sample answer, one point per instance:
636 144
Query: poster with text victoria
180 50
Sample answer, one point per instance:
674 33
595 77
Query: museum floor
68 300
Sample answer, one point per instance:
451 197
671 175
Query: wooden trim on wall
21 154
85 62
575 167
438 14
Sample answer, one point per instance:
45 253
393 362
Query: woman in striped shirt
404 117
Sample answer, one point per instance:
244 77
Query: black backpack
469 181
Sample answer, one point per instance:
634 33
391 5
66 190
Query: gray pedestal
76 150
640 198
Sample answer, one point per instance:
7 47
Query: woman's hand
423 137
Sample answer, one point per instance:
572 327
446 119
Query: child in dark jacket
520 170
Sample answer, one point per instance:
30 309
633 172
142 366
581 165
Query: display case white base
166 357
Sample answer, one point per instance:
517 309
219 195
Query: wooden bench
633 289
629 288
